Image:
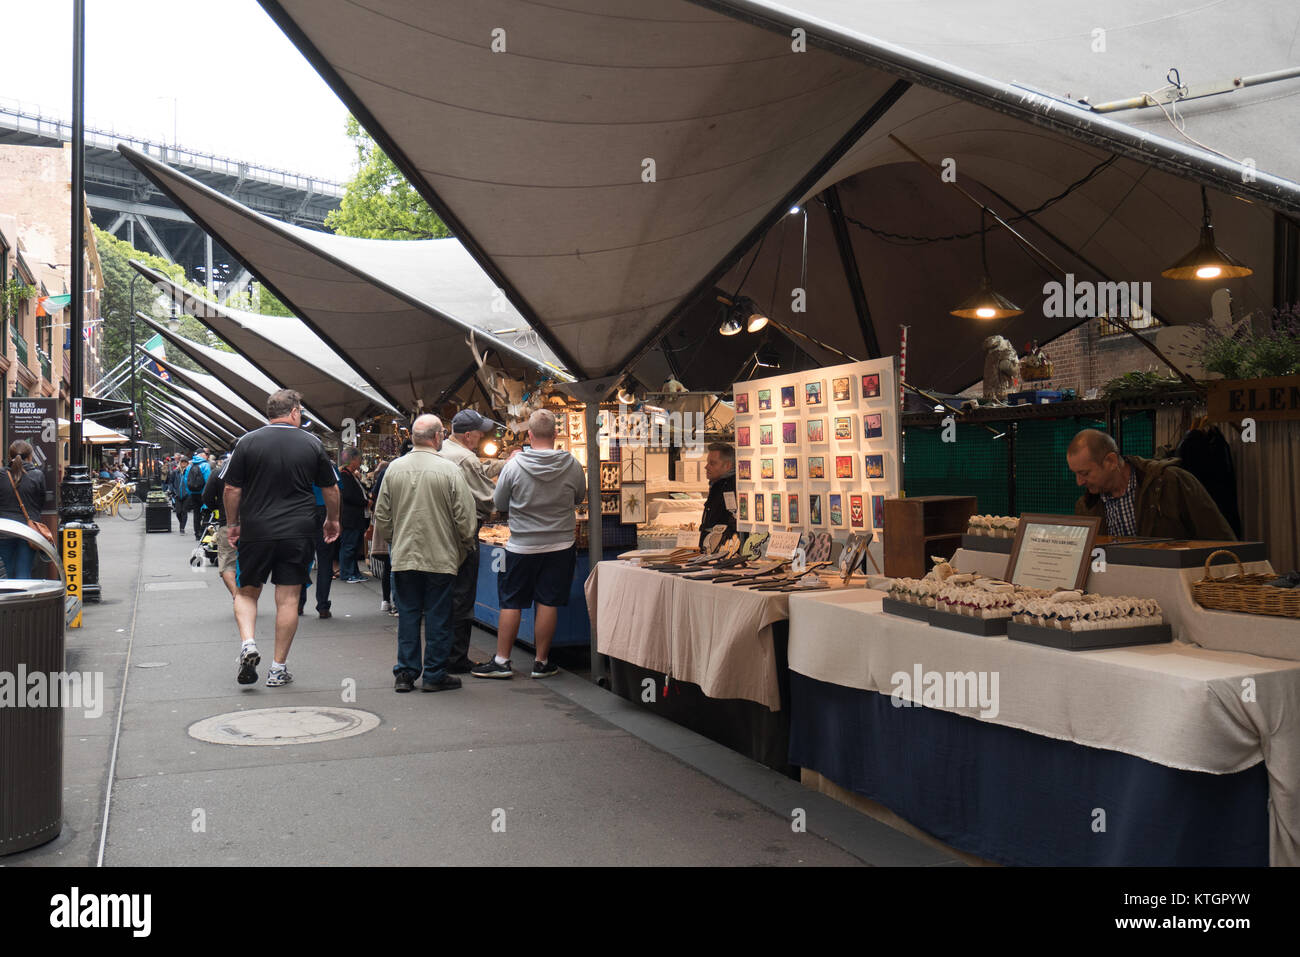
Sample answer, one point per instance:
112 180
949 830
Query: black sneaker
448 683
490 669
248 662
404 683
546 670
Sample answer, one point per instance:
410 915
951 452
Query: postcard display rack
818 449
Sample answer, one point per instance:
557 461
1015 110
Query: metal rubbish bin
32 617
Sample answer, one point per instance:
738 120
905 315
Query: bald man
1152 498
427 514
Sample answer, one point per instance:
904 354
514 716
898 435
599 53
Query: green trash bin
32 618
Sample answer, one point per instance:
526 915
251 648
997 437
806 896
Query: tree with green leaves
379 202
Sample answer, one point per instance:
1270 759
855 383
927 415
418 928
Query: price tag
688 538
729 501
783 544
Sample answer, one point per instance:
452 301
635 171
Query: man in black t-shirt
271 518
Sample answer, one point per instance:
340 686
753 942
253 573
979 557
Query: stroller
209 539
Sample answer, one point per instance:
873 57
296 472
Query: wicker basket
1245 593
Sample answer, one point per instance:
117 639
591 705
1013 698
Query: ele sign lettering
1265 399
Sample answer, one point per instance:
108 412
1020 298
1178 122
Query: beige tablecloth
715 636
1173 704
1268 635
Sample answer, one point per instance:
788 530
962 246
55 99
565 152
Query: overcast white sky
241 88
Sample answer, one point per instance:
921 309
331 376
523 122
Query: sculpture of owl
1001 369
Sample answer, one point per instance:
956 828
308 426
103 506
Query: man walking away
324 560
426 512
271 515
353 517
539 487
467 431
196 479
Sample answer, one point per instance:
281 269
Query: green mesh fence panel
976 464
1044 482
1138 433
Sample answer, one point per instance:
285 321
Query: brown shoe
326 614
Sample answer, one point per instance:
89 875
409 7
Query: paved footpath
545 772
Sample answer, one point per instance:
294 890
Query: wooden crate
916 528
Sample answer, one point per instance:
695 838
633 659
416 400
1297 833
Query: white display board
825 441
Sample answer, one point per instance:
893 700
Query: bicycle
117 500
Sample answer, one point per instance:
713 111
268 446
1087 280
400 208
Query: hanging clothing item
1205 453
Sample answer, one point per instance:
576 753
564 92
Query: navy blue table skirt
1015 797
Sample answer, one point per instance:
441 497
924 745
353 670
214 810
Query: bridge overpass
130 207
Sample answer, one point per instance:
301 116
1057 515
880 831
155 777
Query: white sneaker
383 606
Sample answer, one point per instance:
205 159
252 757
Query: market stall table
1159 755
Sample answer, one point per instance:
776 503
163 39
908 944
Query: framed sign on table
1053 551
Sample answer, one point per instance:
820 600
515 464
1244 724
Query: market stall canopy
398 312
192 432
165 403
194 398
215 391
283 348
606 183
235 372
92 433
173 395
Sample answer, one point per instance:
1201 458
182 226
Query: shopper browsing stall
720 506
1136 496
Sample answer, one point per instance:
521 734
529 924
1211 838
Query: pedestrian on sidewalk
352 545
379 546
426 513
22 496
324 559
271 515
539 488
468 430
214 502
196 479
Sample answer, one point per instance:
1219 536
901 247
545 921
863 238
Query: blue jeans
349 548
17 556
423 596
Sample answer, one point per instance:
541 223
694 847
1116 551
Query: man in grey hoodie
539 488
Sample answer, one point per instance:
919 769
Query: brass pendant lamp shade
987 303
1207 260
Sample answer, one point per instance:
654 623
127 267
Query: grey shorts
227 554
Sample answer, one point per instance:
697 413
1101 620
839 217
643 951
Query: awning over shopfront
609 184
398 312
285 350
92 433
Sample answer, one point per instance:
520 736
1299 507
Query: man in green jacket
1152 498
426 512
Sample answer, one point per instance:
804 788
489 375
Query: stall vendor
720 506
1147 497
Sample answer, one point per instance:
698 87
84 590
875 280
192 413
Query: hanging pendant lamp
1207 260
987 303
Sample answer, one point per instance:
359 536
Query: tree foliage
379 202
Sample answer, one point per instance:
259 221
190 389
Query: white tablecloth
1268 635
1173 704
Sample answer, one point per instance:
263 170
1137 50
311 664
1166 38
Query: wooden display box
1090 640
987 543
917 528
1184 554
984 627
905 609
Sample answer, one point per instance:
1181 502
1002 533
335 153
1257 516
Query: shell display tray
985 627
1183 554
905 609
987 543
1090 640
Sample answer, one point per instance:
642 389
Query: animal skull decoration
511 398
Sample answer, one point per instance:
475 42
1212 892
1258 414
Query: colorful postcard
787 397
776 506
843 428
765 435
840 389
814 509
816 431
878 510
790 433
742 436
875 466
742 510
871 386
816 467
767 469
742 403
792 509
871 424
764 399
792 468
812 393
837 510
844 466
855 511
760 501
742 470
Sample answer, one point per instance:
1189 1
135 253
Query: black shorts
285 561
545 578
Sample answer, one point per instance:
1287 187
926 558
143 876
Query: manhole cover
284 726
